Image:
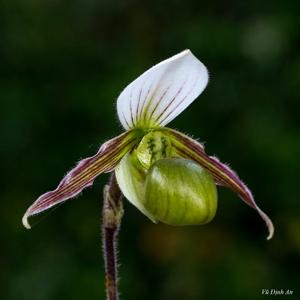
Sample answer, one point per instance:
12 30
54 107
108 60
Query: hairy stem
111 220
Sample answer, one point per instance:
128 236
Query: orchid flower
164 173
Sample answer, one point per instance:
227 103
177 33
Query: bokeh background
63 64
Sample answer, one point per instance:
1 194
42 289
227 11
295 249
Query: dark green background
63 64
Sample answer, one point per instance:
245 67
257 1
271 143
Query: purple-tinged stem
111 220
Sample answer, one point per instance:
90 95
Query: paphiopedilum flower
164 173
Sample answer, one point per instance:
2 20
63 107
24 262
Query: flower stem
111 220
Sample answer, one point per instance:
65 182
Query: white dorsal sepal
160 94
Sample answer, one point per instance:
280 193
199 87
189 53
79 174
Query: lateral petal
83 175
160 94
223 175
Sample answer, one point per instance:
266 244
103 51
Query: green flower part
164 186
162 172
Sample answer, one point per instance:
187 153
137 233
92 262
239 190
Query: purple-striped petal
84 174
223 175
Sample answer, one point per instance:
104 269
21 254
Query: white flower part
161 93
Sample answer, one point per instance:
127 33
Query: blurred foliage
63 64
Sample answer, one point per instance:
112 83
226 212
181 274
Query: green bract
167 175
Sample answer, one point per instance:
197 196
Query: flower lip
161 93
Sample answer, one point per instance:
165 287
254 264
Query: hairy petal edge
83 175
223 175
